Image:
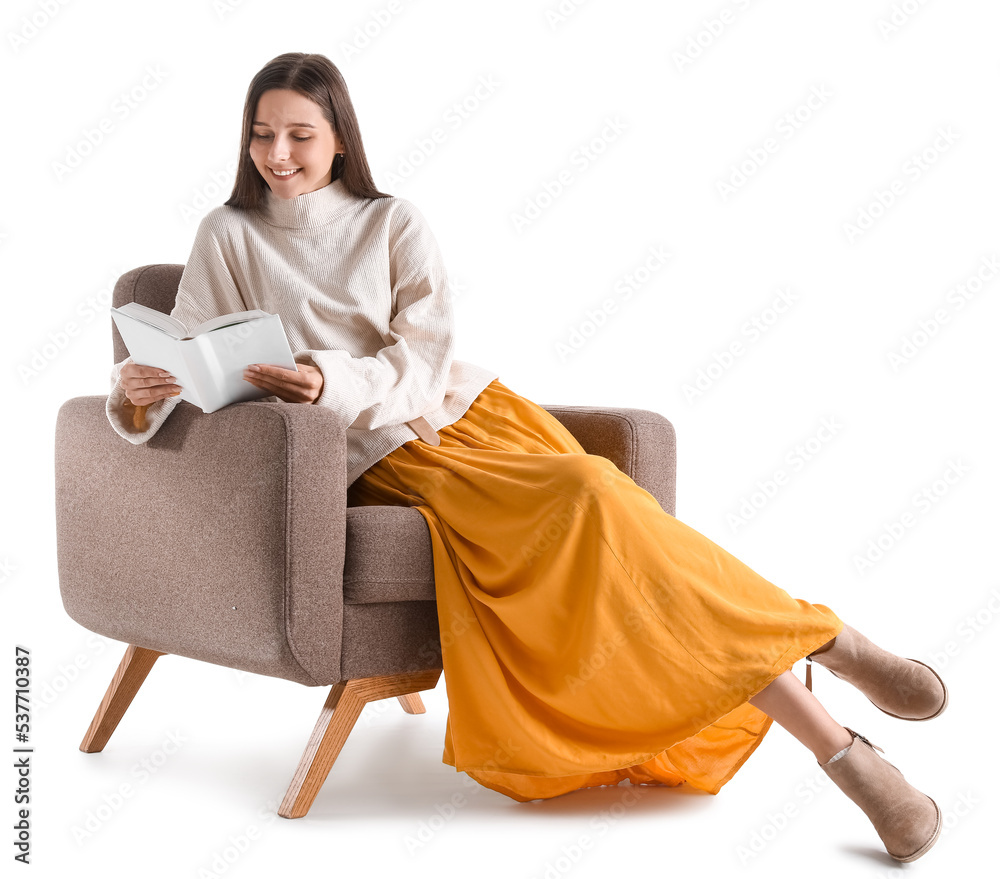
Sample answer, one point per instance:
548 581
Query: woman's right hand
144 385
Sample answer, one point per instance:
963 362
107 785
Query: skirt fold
587 636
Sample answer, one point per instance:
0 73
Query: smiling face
290 133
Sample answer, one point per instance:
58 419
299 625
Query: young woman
587 635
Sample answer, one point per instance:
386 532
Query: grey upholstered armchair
239 578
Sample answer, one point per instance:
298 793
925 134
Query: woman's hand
302 386
144 385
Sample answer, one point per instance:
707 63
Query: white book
207 360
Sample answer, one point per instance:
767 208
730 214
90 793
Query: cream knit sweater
362 291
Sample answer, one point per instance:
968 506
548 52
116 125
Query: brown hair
316 77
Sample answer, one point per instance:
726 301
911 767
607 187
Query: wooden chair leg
132 671
412 703
340 712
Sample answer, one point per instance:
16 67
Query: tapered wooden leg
132 671
412 703
340 712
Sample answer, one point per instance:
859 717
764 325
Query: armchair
240 580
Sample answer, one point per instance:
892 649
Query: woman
587 635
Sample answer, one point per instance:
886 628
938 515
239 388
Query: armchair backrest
154 286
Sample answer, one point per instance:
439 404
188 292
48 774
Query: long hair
316 77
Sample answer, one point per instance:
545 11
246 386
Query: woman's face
290 134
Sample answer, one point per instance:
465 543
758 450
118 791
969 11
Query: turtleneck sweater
362 292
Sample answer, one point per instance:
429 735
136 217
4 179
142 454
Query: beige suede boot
907 821
903 688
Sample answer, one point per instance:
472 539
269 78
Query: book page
153 318
150 346
229 350
225 320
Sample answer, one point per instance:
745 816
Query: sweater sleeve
408 377
206 290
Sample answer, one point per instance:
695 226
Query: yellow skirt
587 636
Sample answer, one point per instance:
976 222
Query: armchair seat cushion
389 556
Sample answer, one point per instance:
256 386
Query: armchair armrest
221 538
640 443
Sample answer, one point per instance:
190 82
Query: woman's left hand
302 386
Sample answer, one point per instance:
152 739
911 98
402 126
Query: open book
207 360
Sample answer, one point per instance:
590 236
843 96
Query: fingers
148 396
292 386
288 391
144 385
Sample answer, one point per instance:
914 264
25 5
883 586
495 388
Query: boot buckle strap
858 735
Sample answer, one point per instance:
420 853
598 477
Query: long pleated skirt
587 636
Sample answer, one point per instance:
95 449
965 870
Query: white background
689 105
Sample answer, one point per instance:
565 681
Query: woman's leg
907 821
797 710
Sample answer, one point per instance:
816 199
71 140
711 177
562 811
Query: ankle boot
907 821
903 688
